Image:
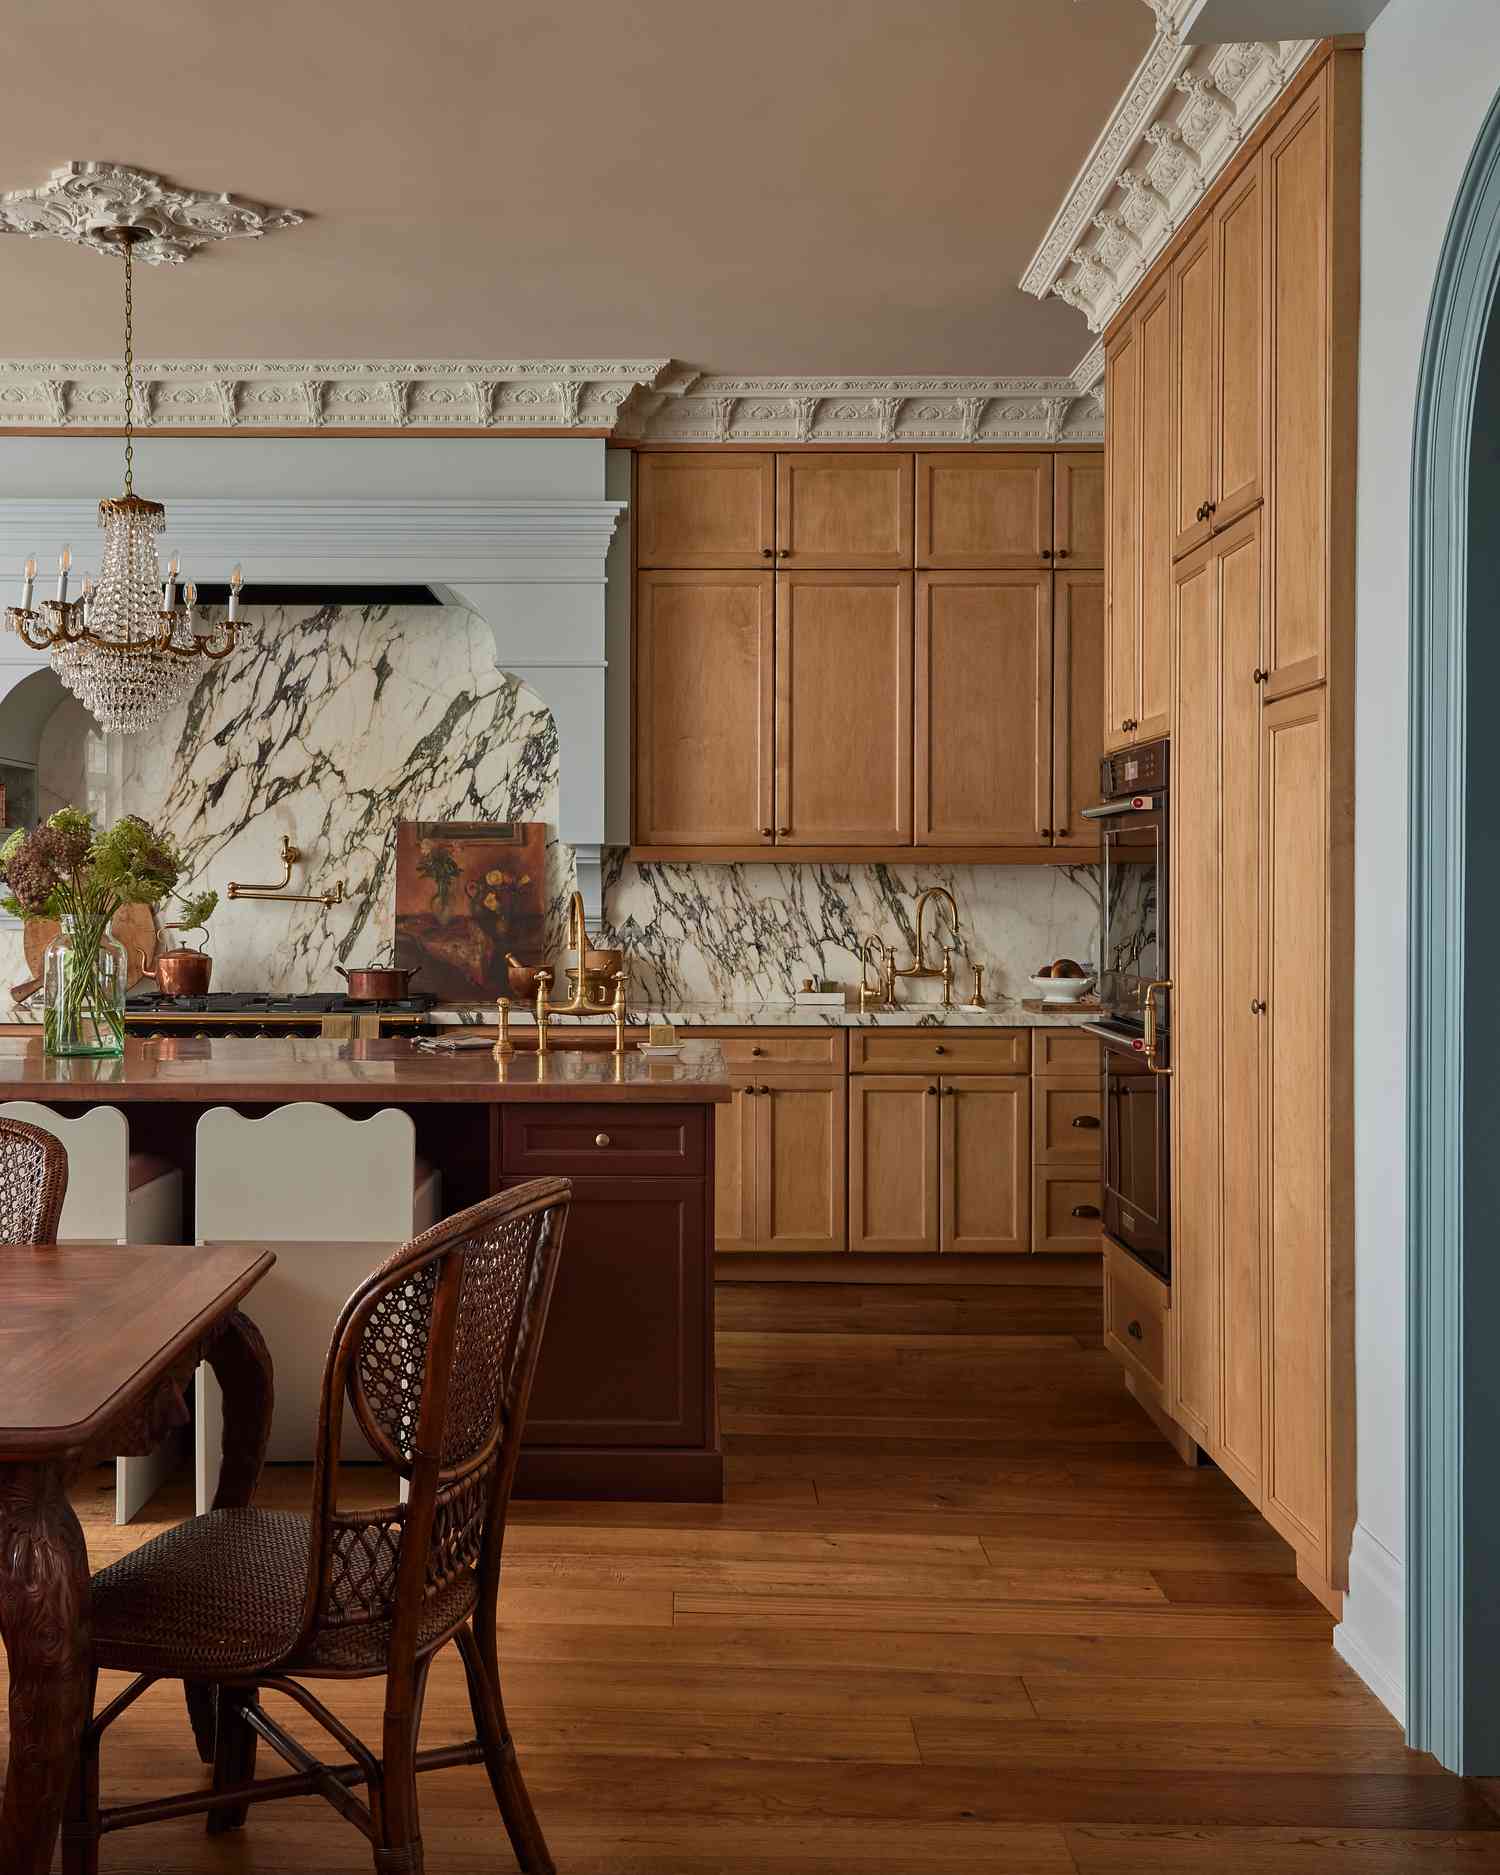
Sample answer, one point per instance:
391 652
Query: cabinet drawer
1065 1210
919 1051
1065 1120
575 1142
1135 1316
1064 1051
823 1049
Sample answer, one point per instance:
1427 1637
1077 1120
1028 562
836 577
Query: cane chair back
33 1183
436 1353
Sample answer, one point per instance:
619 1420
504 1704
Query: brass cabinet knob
949 1092
783 553
1064 833
1062 553
1046 832
1085 1210
939 1048
757 1050
601 1139
1086 1122
1257 1007
767 832
932 1091
1046 553
769 552
783 831
1259 677
1211 508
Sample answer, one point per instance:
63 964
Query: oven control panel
1134 771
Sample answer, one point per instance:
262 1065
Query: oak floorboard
961 1611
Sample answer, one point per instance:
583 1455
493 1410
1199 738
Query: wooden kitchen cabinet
704 753
1065 1120
843 709
1239 324
734 1169
780 1159
705 509
1193 342
1139 526
1078 509
984 508
843 511
894 1198
1078 678
984 676
984 1164
1066 1212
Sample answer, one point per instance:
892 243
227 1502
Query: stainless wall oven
1135 1002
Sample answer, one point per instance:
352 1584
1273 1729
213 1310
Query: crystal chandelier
126 648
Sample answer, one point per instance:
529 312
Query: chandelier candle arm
126 649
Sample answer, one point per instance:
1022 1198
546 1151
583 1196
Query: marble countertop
1002 1014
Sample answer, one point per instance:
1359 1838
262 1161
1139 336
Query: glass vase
83 992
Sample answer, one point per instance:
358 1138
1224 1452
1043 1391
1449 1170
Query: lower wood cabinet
939 1164
1066 1211
1137 1309
779 1163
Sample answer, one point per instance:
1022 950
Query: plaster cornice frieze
1181 118
631 399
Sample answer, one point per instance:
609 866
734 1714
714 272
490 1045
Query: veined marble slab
788 1016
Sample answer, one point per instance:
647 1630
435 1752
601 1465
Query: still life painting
468 891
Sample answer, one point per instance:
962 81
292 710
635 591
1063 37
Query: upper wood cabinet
1078 509
1239 354
984 674
841 511
985 508
843 709
703 732
1139 455
1078 677
708 509
1193 453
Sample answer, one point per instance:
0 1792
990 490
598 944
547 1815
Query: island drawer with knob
538 1142
1066 1211
1135 1318
920 1051
818 1049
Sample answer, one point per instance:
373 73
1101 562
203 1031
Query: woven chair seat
225 1594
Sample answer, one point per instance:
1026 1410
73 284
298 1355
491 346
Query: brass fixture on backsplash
595 972
976 1001
882 994
919 966
290 856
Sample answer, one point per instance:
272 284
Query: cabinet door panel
1077 705
983 708
1194 902
843 709
1240 1407
893 1162
1294 883
986 1163
1078 509
709 509
703 701
1157 522
1239 240
1122 567
1296 172
844 511
735 1172
801 1154
983 509
1193 349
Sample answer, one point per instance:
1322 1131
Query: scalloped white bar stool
341 1194
114 1196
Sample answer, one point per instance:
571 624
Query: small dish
660 1051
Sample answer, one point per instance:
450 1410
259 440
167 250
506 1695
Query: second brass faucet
919 966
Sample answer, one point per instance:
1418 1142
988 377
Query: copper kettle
181 971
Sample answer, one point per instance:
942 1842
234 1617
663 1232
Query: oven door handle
1107 810
1149 1006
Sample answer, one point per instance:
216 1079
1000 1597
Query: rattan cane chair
435 1352
33 1183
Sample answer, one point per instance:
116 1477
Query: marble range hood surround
520 530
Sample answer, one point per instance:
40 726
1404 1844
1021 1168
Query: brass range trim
332 1025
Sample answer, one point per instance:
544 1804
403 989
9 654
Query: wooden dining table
97 1345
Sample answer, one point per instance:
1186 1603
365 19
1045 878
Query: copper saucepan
389 983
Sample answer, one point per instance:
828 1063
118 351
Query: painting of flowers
468 891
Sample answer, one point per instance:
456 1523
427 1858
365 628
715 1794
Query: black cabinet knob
1086 1122
1085 1210
1134 1330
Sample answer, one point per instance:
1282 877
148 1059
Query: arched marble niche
53 754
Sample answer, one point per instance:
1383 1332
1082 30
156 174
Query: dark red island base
624 1404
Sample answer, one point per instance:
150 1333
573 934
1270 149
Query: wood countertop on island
353 1073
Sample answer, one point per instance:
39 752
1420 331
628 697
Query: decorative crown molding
1181 118
631 399
81 198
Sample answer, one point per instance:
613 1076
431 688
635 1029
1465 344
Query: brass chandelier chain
129 371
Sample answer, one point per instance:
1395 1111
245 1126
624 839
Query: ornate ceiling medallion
81 200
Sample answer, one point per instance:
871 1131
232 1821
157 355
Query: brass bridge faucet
883 993
919 966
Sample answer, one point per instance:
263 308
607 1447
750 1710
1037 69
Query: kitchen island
624 1401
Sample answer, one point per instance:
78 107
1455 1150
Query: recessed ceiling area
846 187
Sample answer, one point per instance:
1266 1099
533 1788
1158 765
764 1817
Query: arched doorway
1453 1119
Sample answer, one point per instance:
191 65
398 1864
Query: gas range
262 1012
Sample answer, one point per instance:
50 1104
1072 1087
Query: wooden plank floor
963 1611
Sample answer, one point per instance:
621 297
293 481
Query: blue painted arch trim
1453 1123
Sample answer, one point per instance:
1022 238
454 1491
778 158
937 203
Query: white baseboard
1371 1638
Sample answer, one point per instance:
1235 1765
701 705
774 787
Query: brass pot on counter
181 971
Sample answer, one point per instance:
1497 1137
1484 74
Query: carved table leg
47 1626
241 1363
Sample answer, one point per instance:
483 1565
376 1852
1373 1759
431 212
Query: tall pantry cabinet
1251 530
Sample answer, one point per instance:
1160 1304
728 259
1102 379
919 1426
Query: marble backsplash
330 724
